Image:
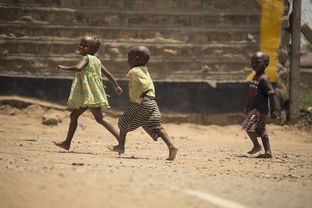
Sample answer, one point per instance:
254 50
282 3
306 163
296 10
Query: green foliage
308 47
305 96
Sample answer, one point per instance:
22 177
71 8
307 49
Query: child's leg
256 146
120 148
267 148
130 120
172 149
72 128
261 129
98 115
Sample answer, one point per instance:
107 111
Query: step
191 35
140 4
119 48
189 40
66 16
161 69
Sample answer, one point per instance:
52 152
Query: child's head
89 44
260 61
138 56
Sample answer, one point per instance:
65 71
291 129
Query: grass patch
305 96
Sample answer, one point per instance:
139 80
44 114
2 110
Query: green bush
305 96
308 47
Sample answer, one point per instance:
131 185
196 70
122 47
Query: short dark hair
95 40
266 57
142 52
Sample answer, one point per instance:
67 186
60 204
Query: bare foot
118 148
172 153
265 155
62 145
255 150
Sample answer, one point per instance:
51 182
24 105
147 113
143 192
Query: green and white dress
87 89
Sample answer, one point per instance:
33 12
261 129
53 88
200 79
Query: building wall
194 40
200 48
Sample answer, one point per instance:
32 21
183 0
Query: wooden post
294 77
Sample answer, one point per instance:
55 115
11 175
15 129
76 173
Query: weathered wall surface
200 49
172 97
194 40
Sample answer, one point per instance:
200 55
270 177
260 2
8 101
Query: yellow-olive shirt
140 81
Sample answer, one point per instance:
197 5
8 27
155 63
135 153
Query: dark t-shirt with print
258 95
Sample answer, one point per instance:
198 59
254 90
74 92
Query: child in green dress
87 90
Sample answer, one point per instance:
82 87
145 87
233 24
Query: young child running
143 110
87 90
257 109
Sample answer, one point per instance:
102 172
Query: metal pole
295 62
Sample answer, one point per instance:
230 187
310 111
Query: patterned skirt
87 90
146 115
255 123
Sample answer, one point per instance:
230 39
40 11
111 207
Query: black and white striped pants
146 115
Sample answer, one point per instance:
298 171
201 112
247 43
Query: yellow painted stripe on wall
270 34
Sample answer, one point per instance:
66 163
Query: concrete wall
193 43
172 97
193 40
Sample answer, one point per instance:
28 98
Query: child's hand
139 101
118 90
59 67
274 114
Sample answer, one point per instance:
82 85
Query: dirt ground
212 168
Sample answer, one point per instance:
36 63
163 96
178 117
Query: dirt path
212 168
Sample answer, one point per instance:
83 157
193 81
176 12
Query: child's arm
267 87
111 79
141 98
272 98
76 68
246 109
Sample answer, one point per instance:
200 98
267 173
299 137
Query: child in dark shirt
260 94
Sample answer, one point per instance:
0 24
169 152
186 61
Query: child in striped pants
143 110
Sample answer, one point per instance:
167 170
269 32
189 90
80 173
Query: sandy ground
212 168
